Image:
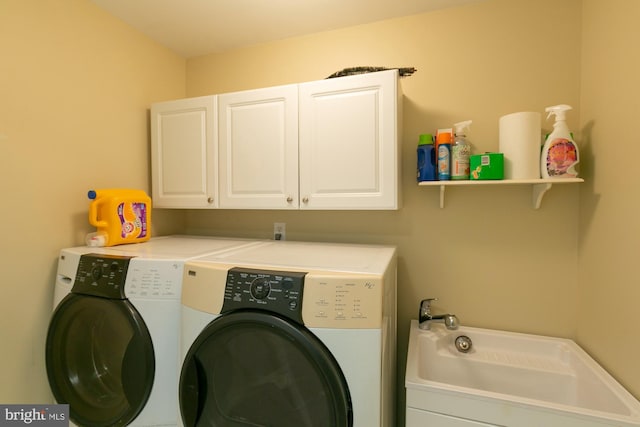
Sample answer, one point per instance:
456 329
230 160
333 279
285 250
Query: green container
486 166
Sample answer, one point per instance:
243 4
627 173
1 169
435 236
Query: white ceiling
199 27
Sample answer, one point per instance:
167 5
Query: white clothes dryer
113 340
290 334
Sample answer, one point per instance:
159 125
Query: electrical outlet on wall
279 231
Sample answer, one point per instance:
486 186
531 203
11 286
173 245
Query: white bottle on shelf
560 153
460 152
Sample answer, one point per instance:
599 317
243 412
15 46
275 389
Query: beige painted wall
75 86
609 288
488 256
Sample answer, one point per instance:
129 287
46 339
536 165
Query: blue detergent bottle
427 168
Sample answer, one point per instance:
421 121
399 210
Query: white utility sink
509 379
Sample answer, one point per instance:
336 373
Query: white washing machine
290 334
113 340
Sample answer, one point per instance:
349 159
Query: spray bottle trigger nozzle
558 110
461 126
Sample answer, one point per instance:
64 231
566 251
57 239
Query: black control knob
260 288
96 273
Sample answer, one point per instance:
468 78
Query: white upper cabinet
184 153
349 136
258 148
329 144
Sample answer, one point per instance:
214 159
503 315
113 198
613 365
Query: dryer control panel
343 301
276 291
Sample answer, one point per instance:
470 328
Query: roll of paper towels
520 140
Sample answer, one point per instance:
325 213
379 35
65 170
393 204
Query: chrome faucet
425 318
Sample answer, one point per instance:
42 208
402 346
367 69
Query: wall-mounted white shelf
539 186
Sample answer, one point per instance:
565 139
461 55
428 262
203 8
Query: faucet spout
450 321
425 318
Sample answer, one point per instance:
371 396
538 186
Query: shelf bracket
538 193
442 190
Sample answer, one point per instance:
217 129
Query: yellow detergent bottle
120 216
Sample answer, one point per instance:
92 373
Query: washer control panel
276 291
101 275
154 279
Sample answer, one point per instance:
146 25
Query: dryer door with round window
255 368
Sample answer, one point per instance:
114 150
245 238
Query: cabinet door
349 157
258 142
184 153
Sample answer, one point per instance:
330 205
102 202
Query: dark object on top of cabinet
406 71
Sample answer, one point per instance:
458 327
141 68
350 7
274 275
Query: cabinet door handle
305 200
289 199
210 200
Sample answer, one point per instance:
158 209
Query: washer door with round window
99 353
100 360
257 368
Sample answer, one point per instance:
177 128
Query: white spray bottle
460 151
560 152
